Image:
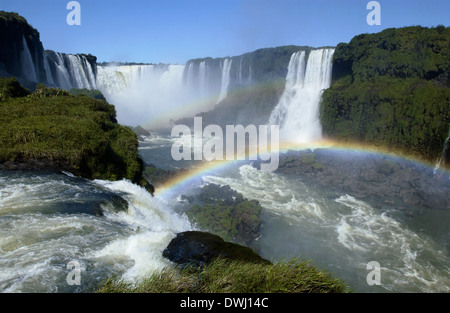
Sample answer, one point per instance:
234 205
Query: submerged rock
198 249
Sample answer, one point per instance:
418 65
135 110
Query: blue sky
174 31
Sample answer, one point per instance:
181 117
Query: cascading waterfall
48 71
62 75
297 112
445 148
69 71
202 78
226 67
149 93
143 92
26 59
81 72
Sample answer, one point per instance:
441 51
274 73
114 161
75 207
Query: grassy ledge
52 129
225 276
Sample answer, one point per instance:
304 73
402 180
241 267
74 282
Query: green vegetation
96 94
158 177
224 276
11 88
223 219
52 129
225 212
141 132
391 89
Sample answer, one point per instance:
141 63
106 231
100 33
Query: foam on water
37 242
157 225
367 230
272 191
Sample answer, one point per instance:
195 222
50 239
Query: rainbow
188 177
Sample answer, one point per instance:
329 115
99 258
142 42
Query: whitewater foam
350 230
38 238
154 225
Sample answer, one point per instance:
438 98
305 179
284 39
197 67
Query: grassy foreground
223 276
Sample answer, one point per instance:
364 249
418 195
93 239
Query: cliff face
256 81
391 89
22 55
21 51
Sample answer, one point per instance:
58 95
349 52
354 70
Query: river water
116 228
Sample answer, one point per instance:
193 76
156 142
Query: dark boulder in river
195 248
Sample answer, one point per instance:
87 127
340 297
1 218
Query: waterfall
199 78
226 67
243 72
62 75
202 78
445 148
146 93
155 94
297 112
48 71
69 71
26 59
78 68
240 70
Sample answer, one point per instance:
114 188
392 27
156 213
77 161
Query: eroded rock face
198 249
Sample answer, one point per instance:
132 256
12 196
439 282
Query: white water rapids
44 225
341 233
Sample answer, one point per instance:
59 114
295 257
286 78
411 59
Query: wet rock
195 248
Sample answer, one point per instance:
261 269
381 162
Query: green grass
223 276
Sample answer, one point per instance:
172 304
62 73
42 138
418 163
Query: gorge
262 86
339 206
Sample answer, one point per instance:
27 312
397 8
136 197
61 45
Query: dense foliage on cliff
52 129
391 89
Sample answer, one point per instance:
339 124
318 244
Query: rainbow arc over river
194 175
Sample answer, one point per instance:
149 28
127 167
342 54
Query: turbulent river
48 220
